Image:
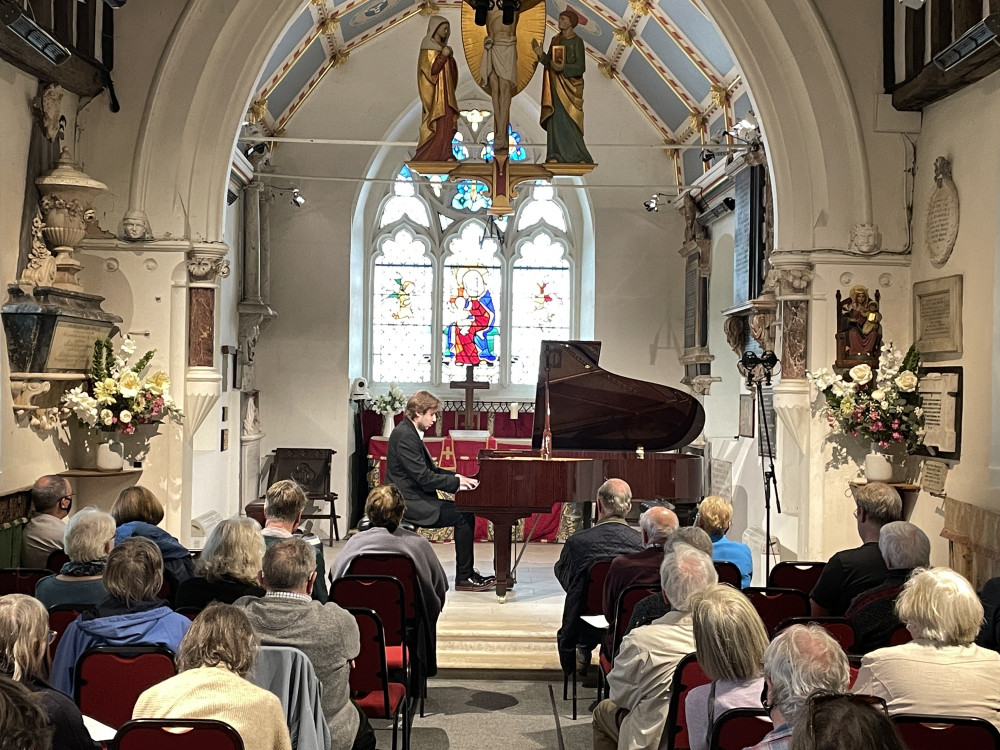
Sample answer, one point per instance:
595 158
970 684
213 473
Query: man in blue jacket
132 614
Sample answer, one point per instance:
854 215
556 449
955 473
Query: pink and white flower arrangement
119 397
882 406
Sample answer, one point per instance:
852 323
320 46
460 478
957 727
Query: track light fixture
12 16
653 204
297 199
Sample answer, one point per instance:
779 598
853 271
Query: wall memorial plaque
72 347
941 227
941 399
937 318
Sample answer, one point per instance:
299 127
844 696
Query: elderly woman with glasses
215 657
24 657
89 537
941 671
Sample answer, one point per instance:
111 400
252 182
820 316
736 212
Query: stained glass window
402 290
451 286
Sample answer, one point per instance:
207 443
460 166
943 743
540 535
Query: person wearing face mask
52 498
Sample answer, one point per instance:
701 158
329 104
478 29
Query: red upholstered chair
775 605
401 568
371 689
840 628
900 636
56 560
739 728
110 679
177 734
593 605
795 574
60 616
924 732
385 595
729 573
21 580
688 675
627 600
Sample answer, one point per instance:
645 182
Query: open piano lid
593 409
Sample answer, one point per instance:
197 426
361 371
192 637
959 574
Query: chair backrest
900 636
739 728
56 560
627 600
397 566
288 673
177 734
775 605
369 672
596 575
189 612
110 679
308 467
795 574
924 732
384 594
729 573
688 675
21 580
840 628
60 616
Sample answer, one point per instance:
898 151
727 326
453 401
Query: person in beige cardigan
214 659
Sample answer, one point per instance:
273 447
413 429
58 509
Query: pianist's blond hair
422 402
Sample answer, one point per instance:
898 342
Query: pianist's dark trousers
465 529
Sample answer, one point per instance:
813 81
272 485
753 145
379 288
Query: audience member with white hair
640 568
89 537
715 516
799 661
730 639
940 671
904 547
851 571
641 679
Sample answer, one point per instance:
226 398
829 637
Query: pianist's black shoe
476 582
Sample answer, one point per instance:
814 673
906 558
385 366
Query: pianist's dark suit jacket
408 465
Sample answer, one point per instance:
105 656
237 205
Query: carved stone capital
25 391
792 280
206 269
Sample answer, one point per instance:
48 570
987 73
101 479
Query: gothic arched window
451 285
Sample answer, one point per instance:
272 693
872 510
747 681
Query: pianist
422 484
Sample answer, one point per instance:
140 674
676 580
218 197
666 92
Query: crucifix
470 387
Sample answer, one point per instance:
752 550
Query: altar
458 452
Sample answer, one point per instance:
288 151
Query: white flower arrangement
118 397
391 403
882 406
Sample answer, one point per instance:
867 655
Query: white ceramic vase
109 455
878 467
388 424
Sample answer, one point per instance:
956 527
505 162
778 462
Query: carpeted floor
475 714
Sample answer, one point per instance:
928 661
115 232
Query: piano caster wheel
501 599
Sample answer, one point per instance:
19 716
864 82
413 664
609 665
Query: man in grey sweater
287 615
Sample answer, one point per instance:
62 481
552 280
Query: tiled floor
475 631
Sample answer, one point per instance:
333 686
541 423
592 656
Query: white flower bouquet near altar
119 397
391 403
882 405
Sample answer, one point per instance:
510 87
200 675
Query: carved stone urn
67 207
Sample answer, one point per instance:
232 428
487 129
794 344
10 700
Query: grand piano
589 425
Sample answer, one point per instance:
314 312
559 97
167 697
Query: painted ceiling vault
667 55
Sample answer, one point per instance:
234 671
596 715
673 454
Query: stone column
206 264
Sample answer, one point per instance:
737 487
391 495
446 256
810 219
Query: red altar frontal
461 455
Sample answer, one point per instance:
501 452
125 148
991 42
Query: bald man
610 536
637 568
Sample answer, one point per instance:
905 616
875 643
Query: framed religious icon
937 318
746 415
859 328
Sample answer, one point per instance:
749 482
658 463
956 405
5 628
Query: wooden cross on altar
470 387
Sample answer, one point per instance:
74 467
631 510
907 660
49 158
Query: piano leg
501 552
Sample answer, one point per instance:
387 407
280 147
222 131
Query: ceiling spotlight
297 199
707 155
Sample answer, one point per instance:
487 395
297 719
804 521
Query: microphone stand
758 371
